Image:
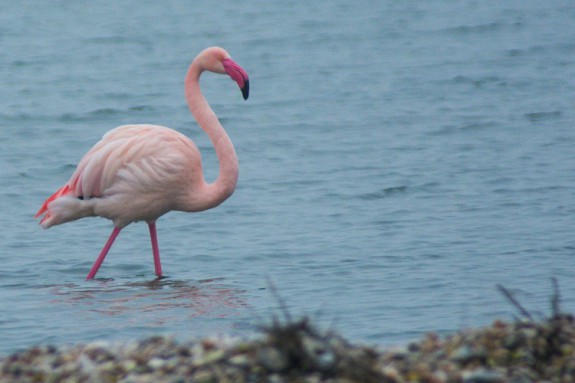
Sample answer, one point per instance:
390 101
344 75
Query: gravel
296 351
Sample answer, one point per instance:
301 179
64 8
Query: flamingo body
141 172
153 163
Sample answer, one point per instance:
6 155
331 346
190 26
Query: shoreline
296 351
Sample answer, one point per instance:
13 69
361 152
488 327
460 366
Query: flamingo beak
239 75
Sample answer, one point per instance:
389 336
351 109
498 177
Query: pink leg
155 249
103 253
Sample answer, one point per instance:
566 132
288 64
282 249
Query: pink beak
239 75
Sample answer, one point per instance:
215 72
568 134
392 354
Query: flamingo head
216 59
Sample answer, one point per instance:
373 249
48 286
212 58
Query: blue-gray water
397 161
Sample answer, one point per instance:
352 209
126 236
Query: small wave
105 112
17 117
120 40
541 116
479 125
383 193
102 113
479 28
99 113
540 50
479 82
141 108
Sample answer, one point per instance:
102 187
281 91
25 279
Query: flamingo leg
155 249
103 253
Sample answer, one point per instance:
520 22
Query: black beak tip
246 89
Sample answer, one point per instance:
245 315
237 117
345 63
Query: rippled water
397 161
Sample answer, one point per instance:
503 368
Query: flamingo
141 172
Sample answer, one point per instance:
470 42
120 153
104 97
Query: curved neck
215 193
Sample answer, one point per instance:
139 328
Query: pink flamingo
141 172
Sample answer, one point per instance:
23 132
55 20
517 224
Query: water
397 161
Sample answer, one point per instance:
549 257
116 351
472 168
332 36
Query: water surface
397 161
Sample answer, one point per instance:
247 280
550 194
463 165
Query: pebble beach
518 351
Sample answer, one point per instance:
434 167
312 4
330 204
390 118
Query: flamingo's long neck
224 186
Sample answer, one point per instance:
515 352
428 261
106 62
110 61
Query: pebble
482 376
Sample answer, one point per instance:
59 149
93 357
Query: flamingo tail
59 193
62 207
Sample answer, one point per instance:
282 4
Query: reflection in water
160 301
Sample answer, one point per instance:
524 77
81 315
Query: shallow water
397 161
